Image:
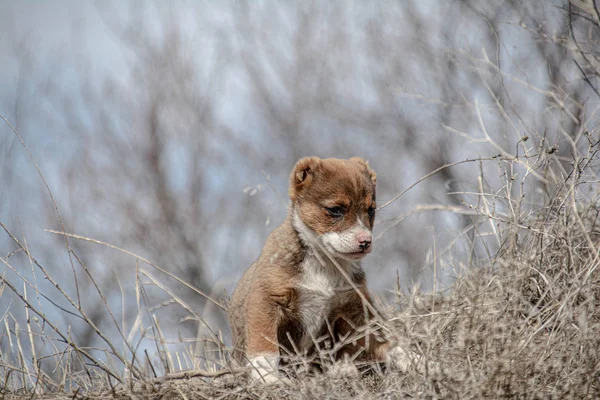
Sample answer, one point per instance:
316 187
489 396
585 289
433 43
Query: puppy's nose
364 240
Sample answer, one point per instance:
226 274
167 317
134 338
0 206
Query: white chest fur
320 284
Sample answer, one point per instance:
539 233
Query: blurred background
169 130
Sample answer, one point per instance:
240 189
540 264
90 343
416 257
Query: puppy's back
238 314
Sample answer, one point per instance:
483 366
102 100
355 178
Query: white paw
344 368
264 369
402 359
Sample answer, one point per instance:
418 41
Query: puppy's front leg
262 350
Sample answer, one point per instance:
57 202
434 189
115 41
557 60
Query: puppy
308 281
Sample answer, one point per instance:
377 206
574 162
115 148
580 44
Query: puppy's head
333 202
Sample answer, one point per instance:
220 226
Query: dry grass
523 322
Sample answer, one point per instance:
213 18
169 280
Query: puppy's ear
302 175
365 164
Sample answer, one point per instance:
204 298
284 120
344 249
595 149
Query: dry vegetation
522 323
521 316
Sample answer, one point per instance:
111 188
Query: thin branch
198 291
65 339
443 167
55 205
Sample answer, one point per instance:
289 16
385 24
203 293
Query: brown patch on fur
320 184
365 164
301 176
353 315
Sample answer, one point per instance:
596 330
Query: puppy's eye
371 212
335 211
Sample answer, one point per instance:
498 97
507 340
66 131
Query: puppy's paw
264 369
343 368
403 359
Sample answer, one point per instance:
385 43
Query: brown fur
265 306
316 183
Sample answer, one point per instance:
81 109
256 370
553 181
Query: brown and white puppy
295 293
